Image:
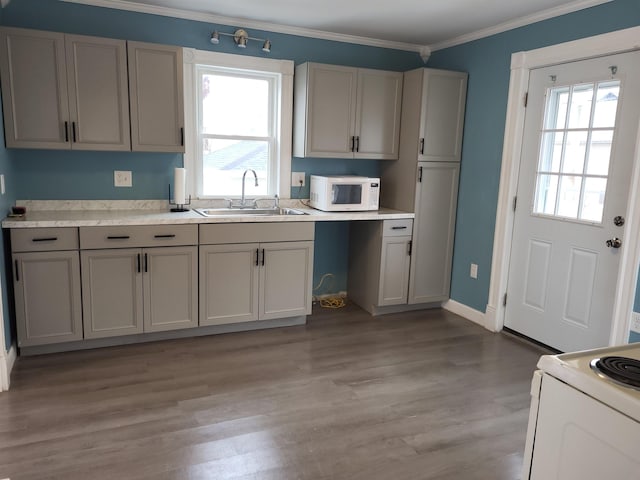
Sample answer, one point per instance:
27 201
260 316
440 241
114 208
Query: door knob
614 243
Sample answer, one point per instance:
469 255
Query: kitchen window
238 117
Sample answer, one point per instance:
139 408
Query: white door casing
562 275
521 64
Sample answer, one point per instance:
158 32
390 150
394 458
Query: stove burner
623 370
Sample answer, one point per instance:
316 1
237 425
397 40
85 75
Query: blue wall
488 63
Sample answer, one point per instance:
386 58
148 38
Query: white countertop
150 216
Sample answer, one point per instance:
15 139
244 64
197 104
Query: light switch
2 190
473 271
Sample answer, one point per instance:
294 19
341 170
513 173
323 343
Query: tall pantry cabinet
424 180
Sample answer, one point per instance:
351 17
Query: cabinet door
394 270
157 104
330 111
34 89
98 93
285 279
170 288
228 283
111 292
378 114
444 96
433 231
47 293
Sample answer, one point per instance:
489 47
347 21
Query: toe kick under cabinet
138 279
255 271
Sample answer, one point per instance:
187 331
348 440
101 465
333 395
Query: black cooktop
622 370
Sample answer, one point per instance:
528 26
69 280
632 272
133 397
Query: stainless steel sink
218 212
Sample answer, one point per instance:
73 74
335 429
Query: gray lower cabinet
243 281
138 279
379 263
112 292
170 288
46 280
434 230
128 291
47 294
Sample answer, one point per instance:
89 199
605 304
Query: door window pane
569 196
575 150
556 114
551 153
606 105
546 192
600 152
580 111
593 200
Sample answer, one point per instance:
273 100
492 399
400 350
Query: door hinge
504 300
526 99
515 202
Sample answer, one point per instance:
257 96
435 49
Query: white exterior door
579 136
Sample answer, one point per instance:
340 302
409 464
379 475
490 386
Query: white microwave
344 193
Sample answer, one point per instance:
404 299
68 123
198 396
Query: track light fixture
241 37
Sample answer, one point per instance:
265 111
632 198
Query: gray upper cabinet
98 93
34 89
157 103
442 120
64 91
345 112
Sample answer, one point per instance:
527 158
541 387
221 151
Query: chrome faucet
242 200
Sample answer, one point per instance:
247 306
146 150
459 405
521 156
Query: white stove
583 424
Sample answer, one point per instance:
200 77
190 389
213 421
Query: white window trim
285 68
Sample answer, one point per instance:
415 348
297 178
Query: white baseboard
6 365
464 311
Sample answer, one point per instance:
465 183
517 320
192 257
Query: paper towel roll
179 186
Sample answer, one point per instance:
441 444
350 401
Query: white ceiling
433 23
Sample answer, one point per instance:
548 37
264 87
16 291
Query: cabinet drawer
44 239
397 228
138 236
217 234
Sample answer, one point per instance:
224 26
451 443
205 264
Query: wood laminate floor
421 395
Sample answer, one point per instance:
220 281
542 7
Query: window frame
281 70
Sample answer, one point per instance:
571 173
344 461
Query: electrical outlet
473 271
635 322
297 179
122 178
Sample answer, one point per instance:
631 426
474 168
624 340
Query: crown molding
271 27
519 22
423 50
